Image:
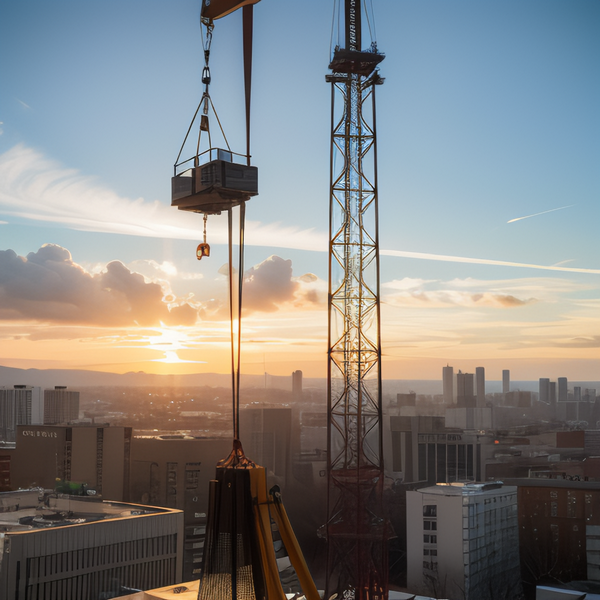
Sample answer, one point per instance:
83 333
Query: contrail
540 213
483 261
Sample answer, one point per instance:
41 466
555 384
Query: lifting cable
236 343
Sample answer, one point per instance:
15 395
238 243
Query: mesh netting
229 574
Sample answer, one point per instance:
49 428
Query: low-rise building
60 547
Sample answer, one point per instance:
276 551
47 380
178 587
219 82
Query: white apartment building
462 541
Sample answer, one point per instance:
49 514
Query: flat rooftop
28 510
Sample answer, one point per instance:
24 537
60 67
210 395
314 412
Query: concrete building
61 406
267 437
462 541
472 419
480 386
62 548
95 455
422 449
19 405
559 524
448 385
505 381
174 471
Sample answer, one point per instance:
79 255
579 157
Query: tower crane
356 526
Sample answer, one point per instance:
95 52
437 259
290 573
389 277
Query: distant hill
75 378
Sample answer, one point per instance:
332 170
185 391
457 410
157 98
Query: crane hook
203 249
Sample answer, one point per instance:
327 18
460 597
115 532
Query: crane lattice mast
356 527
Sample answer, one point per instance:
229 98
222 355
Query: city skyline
488 189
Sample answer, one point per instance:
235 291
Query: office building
462 541
448 384
19 405
174 471
61 406
97 456
63 548
480 386
424 450
505 381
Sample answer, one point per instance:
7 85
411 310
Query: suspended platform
215 186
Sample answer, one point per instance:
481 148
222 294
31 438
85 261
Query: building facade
60 548
61 406
97 456
462 541
19 405
174 471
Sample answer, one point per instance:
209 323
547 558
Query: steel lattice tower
356 527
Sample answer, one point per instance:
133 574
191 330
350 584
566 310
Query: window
430 539
430 510
429 525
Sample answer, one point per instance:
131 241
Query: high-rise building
67 548
544 390
448 384
20 405
464 390
462 541
480 386
297 384
505 381
563 393
61 406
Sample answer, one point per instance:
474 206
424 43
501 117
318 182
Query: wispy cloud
540 213
35 188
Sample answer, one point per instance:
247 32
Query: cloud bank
48 286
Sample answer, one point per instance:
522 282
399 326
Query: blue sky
489 113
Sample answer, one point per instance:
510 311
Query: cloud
35 188
270 285
466 293
580 342
47 286
441 298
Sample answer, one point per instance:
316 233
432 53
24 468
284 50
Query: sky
489 187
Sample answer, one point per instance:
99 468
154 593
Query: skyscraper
464 390
505 381
562 389
480 386
544 390
448 383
